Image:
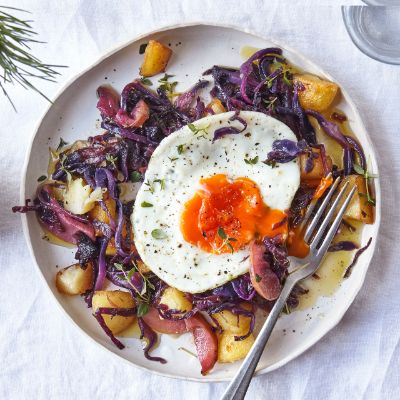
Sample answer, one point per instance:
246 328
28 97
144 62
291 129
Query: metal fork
300 268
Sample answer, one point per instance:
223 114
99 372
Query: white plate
73 116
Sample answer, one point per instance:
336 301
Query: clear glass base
375 30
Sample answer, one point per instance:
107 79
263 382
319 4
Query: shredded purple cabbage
277 253
123 312
151 338
358 149
185 100
285 150
349 269
230 130
332 130
345 245
134 285
247 68
102 268
243 287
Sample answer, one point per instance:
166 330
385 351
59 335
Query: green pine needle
18 65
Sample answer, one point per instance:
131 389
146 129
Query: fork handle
238 387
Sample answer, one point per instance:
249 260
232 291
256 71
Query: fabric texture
42 357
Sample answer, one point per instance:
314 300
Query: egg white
177 262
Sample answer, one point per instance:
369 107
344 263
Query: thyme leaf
251 161
158 234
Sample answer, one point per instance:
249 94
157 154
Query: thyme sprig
367 176
144 294
167 86
201 132
226 239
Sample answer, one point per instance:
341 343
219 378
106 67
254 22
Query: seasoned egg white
172 178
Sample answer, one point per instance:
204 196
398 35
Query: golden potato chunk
217 106
74 280
230 350
156 57
98 213
359 209
318 94
114 299
237 324
175 300
317 173
80 198
111 250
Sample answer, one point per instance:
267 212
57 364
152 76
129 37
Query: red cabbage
230 130
349 269
285 150
278 252
300 202
247 68
123 312
118 232
270 78
131 133
293 299
324 160
134 285
151 338
59 221
358 149
243 287
332 130
200 109
345 245
101 265
306 130
184 101
105 179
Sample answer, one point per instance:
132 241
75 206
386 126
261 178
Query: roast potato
359 209
237 324
318 94
156 57
111 250
216 105
175 300
79 198
74 279
114 299
317 173
230 350
98 213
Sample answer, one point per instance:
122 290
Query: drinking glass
375 29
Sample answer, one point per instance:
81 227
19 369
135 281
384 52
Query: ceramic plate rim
110 52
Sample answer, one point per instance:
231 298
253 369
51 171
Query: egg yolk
224 215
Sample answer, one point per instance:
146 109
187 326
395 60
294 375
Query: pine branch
17 63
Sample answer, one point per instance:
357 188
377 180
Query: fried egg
203 201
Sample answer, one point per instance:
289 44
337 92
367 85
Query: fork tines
316 230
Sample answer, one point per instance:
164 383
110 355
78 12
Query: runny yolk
296 244
225 215
324 185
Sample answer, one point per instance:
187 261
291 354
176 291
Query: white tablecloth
42 357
